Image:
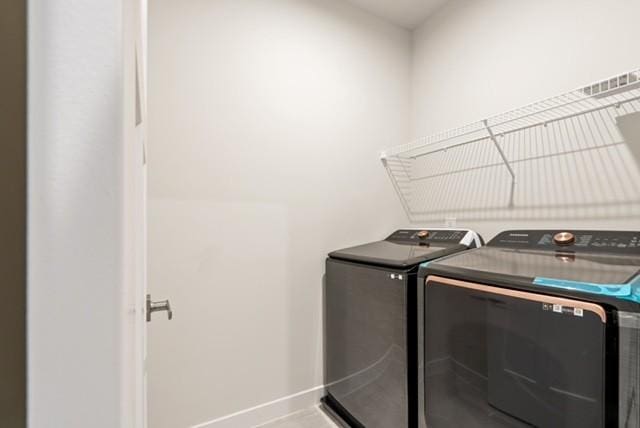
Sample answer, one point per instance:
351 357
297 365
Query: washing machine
370 325
537 328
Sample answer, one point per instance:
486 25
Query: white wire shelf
571 156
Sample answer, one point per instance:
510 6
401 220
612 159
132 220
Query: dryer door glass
496 357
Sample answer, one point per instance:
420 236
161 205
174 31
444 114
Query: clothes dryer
538 328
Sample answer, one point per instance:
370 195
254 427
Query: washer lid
407 247
579 267
601 263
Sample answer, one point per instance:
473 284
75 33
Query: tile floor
309 418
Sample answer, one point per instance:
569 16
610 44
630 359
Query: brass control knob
564 238
423 234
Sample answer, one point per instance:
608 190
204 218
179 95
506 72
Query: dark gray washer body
370 327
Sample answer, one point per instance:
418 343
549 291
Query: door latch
159 306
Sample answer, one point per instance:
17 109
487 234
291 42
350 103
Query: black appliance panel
499 360
366 322
431 236
584 241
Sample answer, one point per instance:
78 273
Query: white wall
476 58
265 120
83 201
265 123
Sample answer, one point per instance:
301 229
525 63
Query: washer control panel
570 240
417 236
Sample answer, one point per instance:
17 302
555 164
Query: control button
423 234
564 238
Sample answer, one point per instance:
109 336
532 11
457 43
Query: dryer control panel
570 240
416 236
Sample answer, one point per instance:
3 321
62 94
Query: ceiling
405 13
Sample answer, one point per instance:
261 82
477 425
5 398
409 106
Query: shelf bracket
493 138
396 186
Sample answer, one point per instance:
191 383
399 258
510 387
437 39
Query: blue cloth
629 291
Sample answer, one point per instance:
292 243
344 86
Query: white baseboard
268 411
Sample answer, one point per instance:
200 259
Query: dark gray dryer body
538 328
370 325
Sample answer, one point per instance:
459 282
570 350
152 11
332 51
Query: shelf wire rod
578 96
481 199
399 192
404 168
620 156
444 140
435 194
440 138
619 185
561 161
453 146
523 159
603 157
626 106
500 151
605 122
590 187
523 128
568 102
594 159
495 176
535 111
579 171
474 190
547 184
461 181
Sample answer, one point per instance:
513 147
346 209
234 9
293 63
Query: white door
147 308
135 29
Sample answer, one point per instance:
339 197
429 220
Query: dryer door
496 357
